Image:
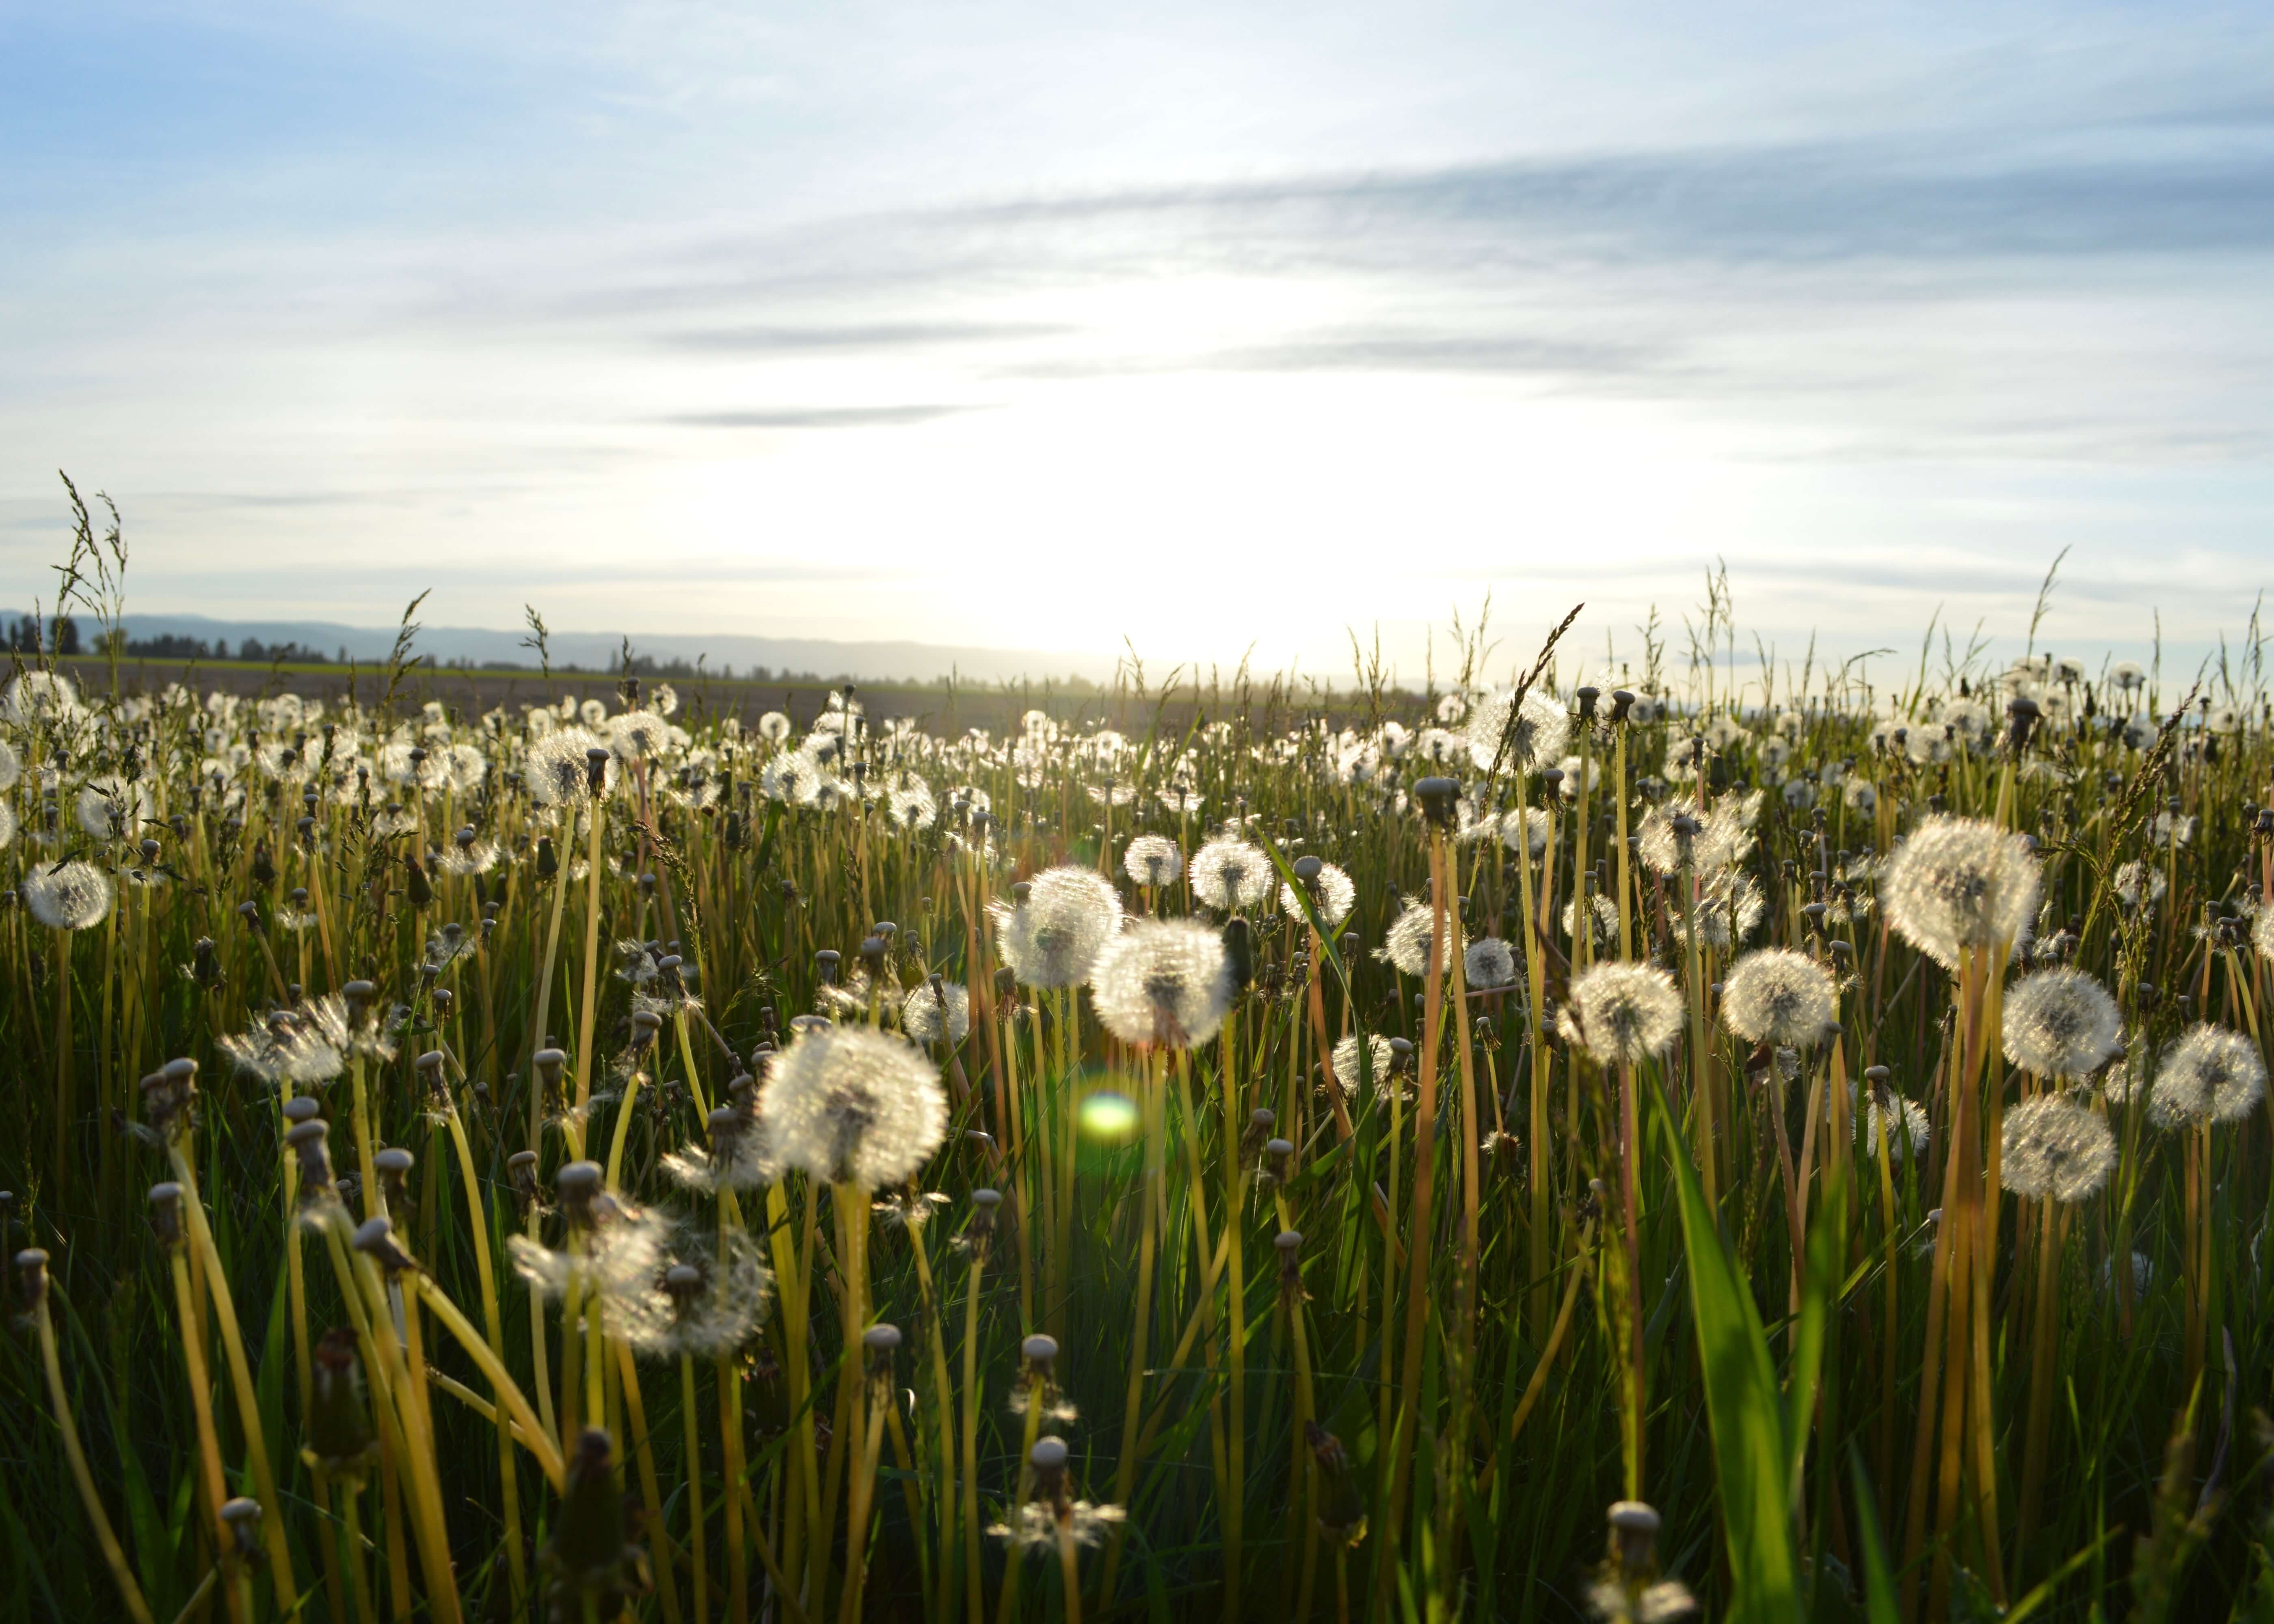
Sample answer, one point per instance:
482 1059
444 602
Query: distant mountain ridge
874 662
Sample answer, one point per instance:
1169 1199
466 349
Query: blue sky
1208 326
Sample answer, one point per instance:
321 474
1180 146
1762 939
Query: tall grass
1381 1345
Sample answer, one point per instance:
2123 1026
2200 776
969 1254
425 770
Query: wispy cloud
819 416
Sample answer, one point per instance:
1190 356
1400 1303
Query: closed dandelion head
1229 874
1153 860
1163 984
1622 1013
1521 736
1489 965
2211 1074
1407 943
1779 997
2061 1023
2055 1150
1960 884
67 896
1053 938
854 1106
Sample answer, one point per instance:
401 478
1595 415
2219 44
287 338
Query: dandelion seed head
1534 730
1054 937
2061 1023
1229 874
940 1014
852 1105
1407 943
1958 883
1165 982
558 771
1779 997
1489 965
68 895
2210 1074
1153 860
2055 1150
1621 1013
1332 892
1379 1056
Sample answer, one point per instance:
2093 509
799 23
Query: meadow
1589 1139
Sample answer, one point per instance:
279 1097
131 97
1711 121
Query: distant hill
778 657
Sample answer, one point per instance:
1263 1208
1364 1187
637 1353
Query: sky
1201 329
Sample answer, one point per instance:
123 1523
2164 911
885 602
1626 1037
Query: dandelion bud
393 1165
1439 799
165 1214
429 1070
880 1343
359 995
1239 951
873 954
1634 1536
242 1517
308 1141
1259 1123
1276 1154
375 1237
579 1186
521 1167
588 1549
596 770
31 1278
1038 1352
339 1439
1586 697
645 1024
825 962
1342 1507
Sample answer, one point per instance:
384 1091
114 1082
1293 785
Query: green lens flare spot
1107 1115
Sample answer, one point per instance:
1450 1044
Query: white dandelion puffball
854 1106
2061 1023
558 772
1958 884
1406 944
1379 1058
1622 1013
939 1014
1333 893
70 896
2211 1074
110 808
1534 733
1489 965
1053 938
1229 874
1162 982
2054 1150
1779 997
1153 860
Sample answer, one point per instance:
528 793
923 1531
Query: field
1585 1139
